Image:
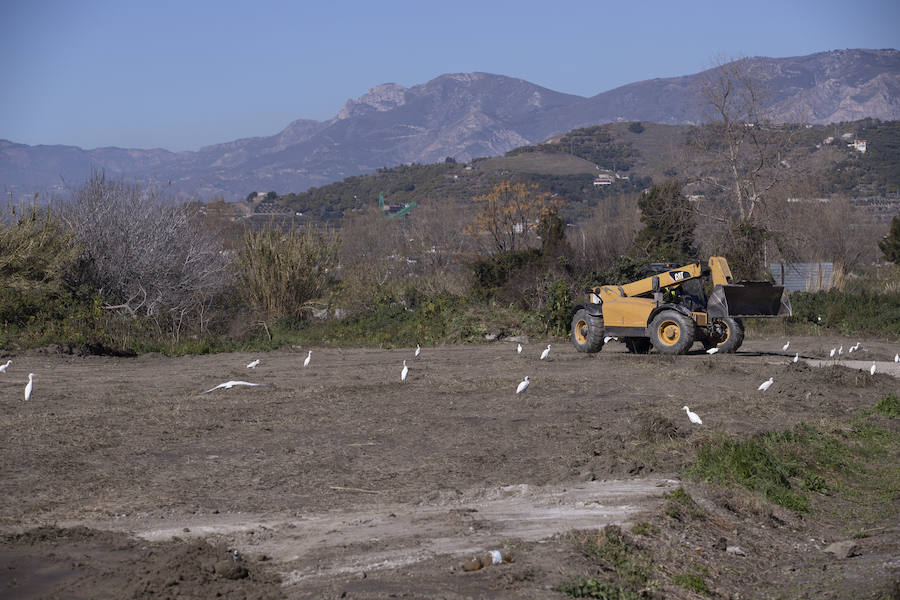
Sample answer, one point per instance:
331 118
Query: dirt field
120 479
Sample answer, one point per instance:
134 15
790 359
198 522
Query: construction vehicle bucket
749 299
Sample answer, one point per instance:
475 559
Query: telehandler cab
669 310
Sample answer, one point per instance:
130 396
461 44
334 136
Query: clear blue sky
184 74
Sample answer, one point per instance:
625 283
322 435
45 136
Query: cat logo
679 275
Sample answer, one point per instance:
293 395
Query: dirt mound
87 563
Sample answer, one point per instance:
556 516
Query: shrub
852 311
149 257
35 250
282 271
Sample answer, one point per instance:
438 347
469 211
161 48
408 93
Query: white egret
404 372
766 384
897 358
546 352
418 350
29 386
872 369
831 354
253 364
713 350
519 349
523 385
692 416
308 358
796 357
3 368
228 385
841 350
785 347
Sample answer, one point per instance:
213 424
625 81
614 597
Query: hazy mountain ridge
462 115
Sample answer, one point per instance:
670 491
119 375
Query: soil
122 479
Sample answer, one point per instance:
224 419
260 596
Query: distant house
603 180
859 146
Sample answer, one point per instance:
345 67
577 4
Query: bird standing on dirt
692 416
308 358
404 372
3 368
253 364
872 369
785 347
546 352
228 385
796 357
766 384
29 386
833 350
418 350
896 358
519 349
522 385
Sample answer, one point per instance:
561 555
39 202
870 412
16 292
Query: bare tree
598 243
739 132
741 156
437 237
145 256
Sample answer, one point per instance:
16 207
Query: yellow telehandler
670 310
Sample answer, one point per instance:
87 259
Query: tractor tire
672 332
638 345
587 331
727 334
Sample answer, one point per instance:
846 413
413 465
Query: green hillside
635 154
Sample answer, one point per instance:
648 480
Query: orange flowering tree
508 214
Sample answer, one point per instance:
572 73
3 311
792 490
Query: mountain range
462 115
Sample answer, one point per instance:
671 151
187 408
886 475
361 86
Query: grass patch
889 406
752 464
591 587
692 581
644 528
680 504
857 463
445 318
629 565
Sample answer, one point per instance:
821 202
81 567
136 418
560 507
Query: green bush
558 310
852 312
494 272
